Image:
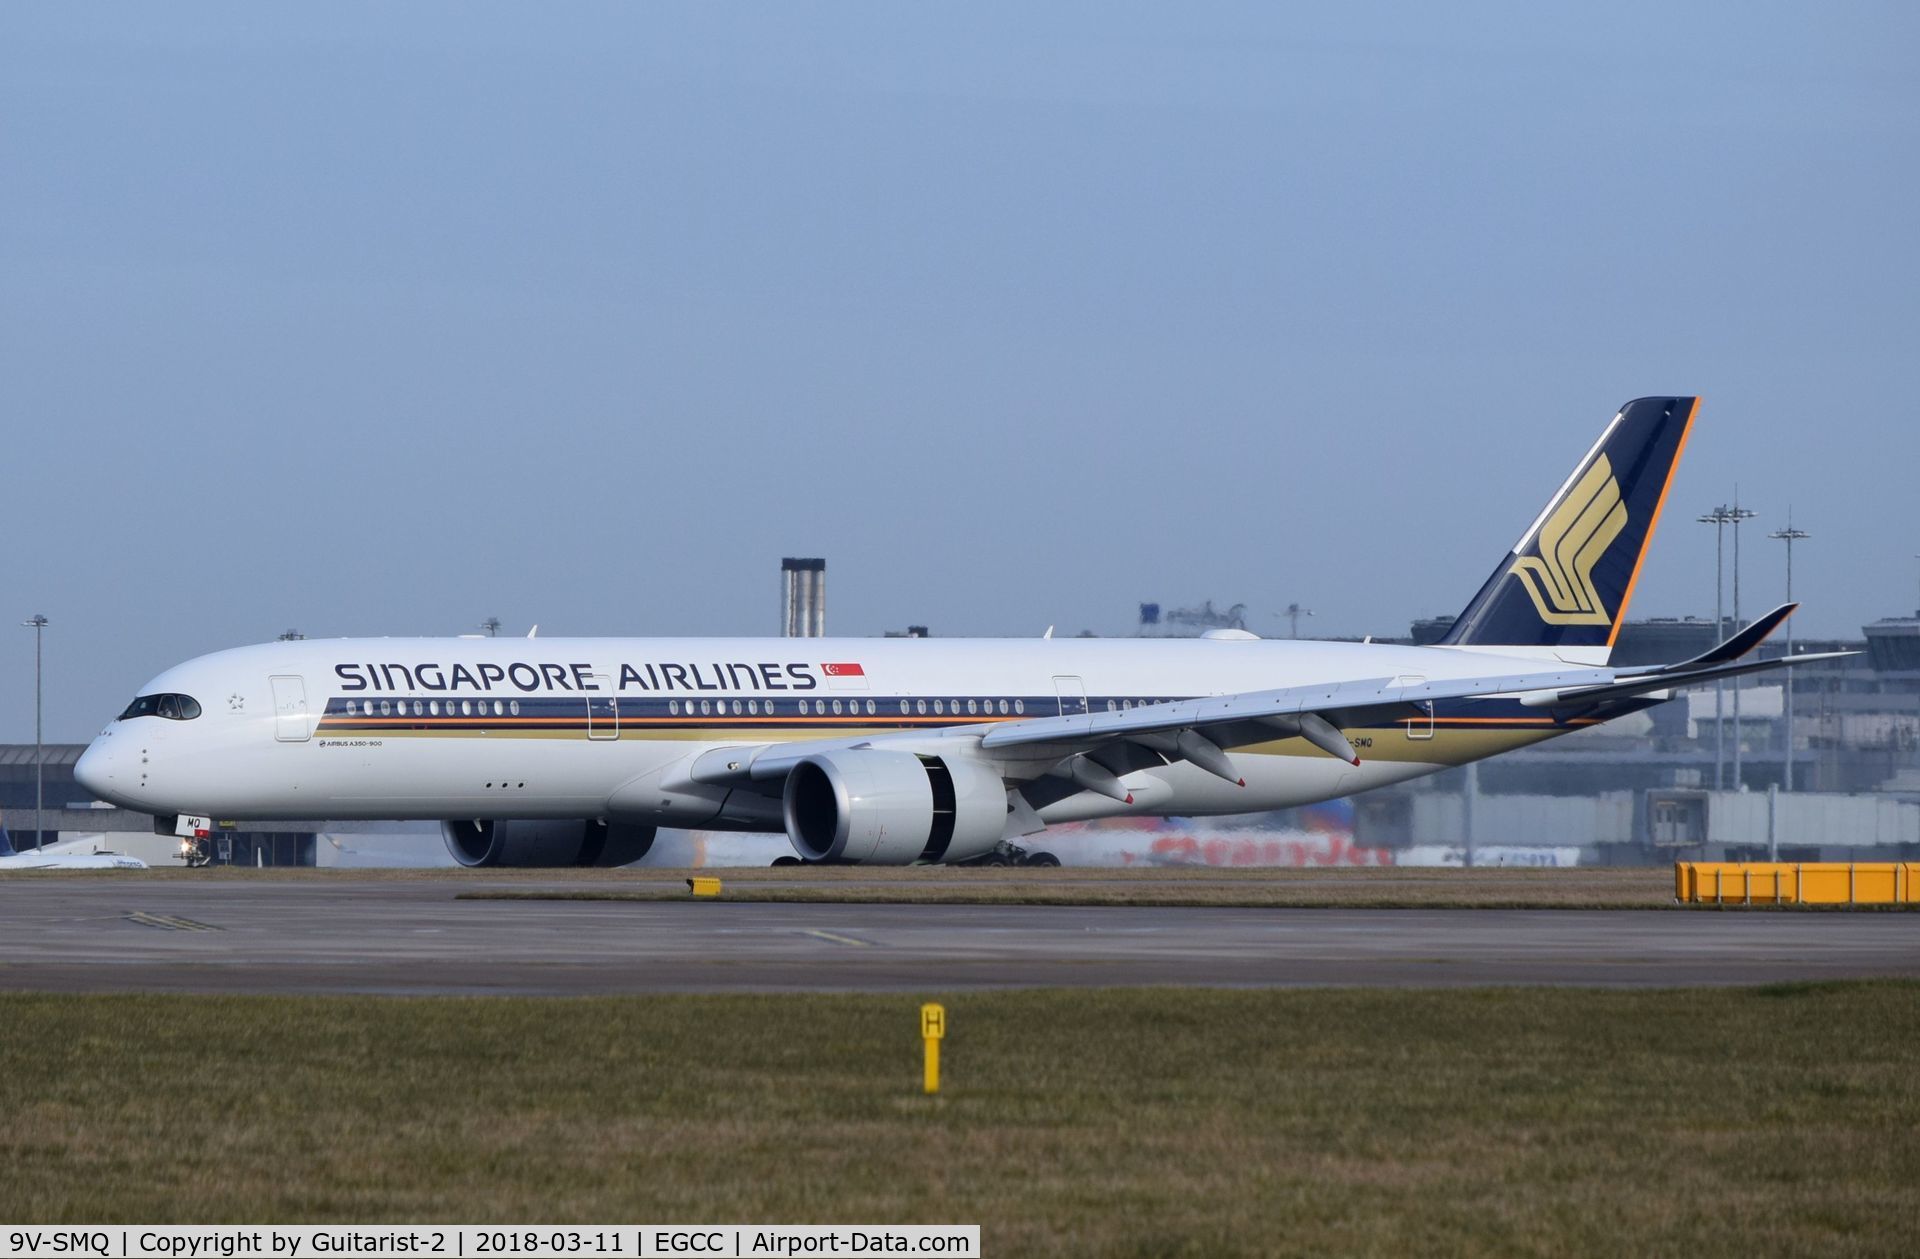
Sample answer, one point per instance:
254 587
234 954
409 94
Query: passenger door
603 710
290 723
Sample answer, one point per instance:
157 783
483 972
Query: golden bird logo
1572 539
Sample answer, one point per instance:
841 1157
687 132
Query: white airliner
56 858
561 752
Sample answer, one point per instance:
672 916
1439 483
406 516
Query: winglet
1738 645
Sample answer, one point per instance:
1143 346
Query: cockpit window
171 706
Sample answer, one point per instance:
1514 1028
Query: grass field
1125 1122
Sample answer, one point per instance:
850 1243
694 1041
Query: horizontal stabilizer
1666 680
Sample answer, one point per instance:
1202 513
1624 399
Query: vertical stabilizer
1567 582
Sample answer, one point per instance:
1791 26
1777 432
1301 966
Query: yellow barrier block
704 885
1802 883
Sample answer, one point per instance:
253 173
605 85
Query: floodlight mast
1718 518
1789 535
1737 514
37 624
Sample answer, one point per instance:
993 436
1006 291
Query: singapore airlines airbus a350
564 752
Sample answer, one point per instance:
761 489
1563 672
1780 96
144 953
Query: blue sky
383 319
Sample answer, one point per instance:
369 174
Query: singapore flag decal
845 677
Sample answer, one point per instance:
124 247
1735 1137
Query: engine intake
556 843
892 808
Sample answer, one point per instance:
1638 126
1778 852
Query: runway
413 937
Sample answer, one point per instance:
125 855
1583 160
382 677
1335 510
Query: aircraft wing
1194 729
1262 716
1201 730
1092 748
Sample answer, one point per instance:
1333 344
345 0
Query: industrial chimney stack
803 597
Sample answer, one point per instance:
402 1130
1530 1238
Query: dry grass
1125 1122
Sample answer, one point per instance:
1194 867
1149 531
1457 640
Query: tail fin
1566 584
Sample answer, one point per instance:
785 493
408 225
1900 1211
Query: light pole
1789 535
1737 515
37 624
1718 517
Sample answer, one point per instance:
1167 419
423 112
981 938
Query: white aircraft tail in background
52 858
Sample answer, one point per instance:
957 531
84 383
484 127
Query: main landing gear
1004 855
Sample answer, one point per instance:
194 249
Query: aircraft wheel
995 859
786 861
1043 859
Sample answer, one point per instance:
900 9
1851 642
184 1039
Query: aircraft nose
97 769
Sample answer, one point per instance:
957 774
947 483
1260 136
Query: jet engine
556 843
892 808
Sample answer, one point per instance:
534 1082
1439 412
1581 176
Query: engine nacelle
559 842
892 808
